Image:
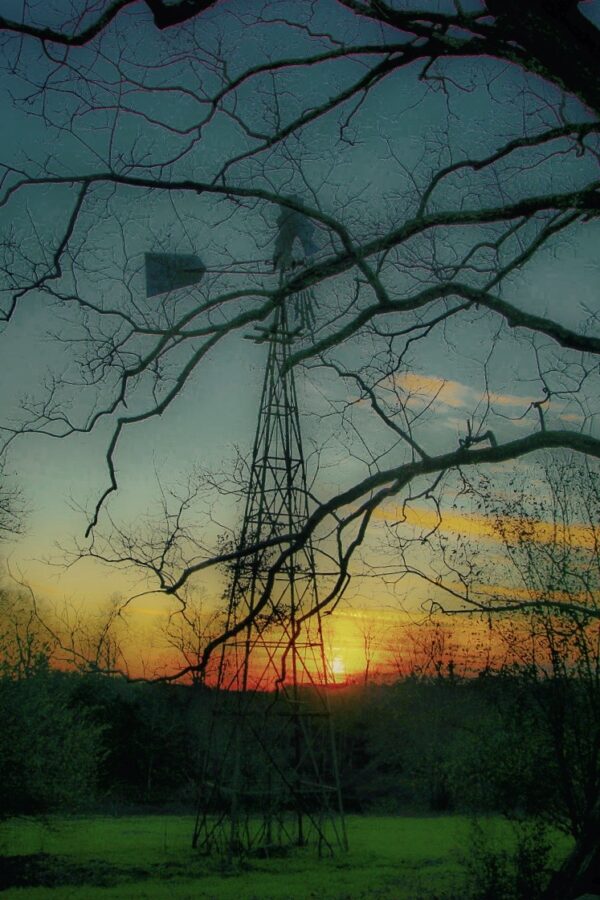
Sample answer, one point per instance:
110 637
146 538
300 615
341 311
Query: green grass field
149 858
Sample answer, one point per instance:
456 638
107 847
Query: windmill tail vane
167 272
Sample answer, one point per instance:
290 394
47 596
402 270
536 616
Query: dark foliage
423 744
50 748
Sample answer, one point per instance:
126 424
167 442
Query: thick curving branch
369 494
165 15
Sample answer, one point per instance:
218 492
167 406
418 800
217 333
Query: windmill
269 773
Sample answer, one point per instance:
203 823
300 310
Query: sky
401 132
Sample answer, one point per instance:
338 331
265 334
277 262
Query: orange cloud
516 593
480 526
454 394
423 388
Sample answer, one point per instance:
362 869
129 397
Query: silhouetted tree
540 587
432 261
12 509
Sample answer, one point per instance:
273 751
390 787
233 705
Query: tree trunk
580 872
563 44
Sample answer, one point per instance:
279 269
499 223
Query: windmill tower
269 774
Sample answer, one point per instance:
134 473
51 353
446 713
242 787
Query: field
149 858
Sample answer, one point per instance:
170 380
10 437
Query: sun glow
337 667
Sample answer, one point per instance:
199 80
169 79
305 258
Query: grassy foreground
149 858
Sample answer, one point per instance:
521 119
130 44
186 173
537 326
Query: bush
517 873
49 750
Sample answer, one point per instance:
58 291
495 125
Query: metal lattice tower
269 776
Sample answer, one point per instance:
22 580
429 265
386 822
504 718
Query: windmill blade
169 271
292 226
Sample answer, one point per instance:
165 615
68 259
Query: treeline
501 742
504 741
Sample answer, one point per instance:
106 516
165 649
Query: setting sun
337 666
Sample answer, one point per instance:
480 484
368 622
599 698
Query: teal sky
402 131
